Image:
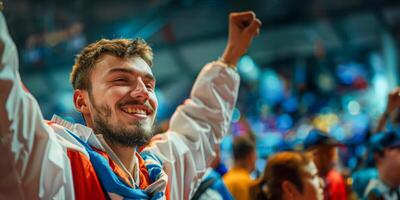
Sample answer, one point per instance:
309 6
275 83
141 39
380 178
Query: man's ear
81 101
289 189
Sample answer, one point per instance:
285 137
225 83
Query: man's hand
243 27
393 101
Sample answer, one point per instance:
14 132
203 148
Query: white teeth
135 111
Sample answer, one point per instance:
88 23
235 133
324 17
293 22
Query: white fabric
34 163
210 193
187 149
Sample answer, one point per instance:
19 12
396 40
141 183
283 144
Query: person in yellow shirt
238 179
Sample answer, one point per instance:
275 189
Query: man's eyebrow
130 71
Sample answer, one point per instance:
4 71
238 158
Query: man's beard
133 136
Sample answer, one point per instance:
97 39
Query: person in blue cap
324 151
386 149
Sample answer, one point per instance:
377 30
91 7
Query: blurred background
326 64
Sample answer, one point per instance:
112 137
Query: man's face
312 184
391 162
122 100
325 157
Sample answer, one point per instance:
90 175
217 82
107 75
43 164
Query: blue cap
284 145
317 137
380 141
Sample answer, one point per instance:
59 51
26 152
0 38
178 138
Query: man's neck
241 165
125 154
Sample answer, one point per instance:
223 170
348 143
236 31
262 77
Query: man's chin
132 134
133 127
130 137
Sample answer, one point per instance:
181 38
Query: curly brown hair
91 54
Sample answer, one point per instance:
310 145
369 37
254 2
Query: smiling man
122 105
114 90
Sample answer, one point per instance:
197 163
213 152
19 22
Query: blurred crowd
318 167
314 169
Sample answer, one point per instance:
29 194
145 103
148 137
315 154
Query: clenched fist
243 27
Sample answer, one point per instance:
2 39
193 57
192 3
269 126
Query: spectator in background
393 102
386 149
238 179
289 175
325 156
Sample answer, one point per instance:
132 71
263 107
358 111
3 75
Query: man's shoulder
375 189
69 135
237 177
375 194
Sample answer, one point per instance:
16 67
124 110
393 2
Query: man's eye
120 80
149 86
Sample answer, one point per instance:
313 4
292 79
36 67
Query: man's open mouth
140 111
134 111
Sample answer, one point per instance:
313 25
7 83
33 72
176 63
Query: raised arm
32 163
187 148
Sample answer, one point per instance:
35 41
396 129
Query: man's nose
140 90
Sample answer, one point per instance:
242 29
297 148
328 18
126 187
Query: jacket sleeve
196 127
33 164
